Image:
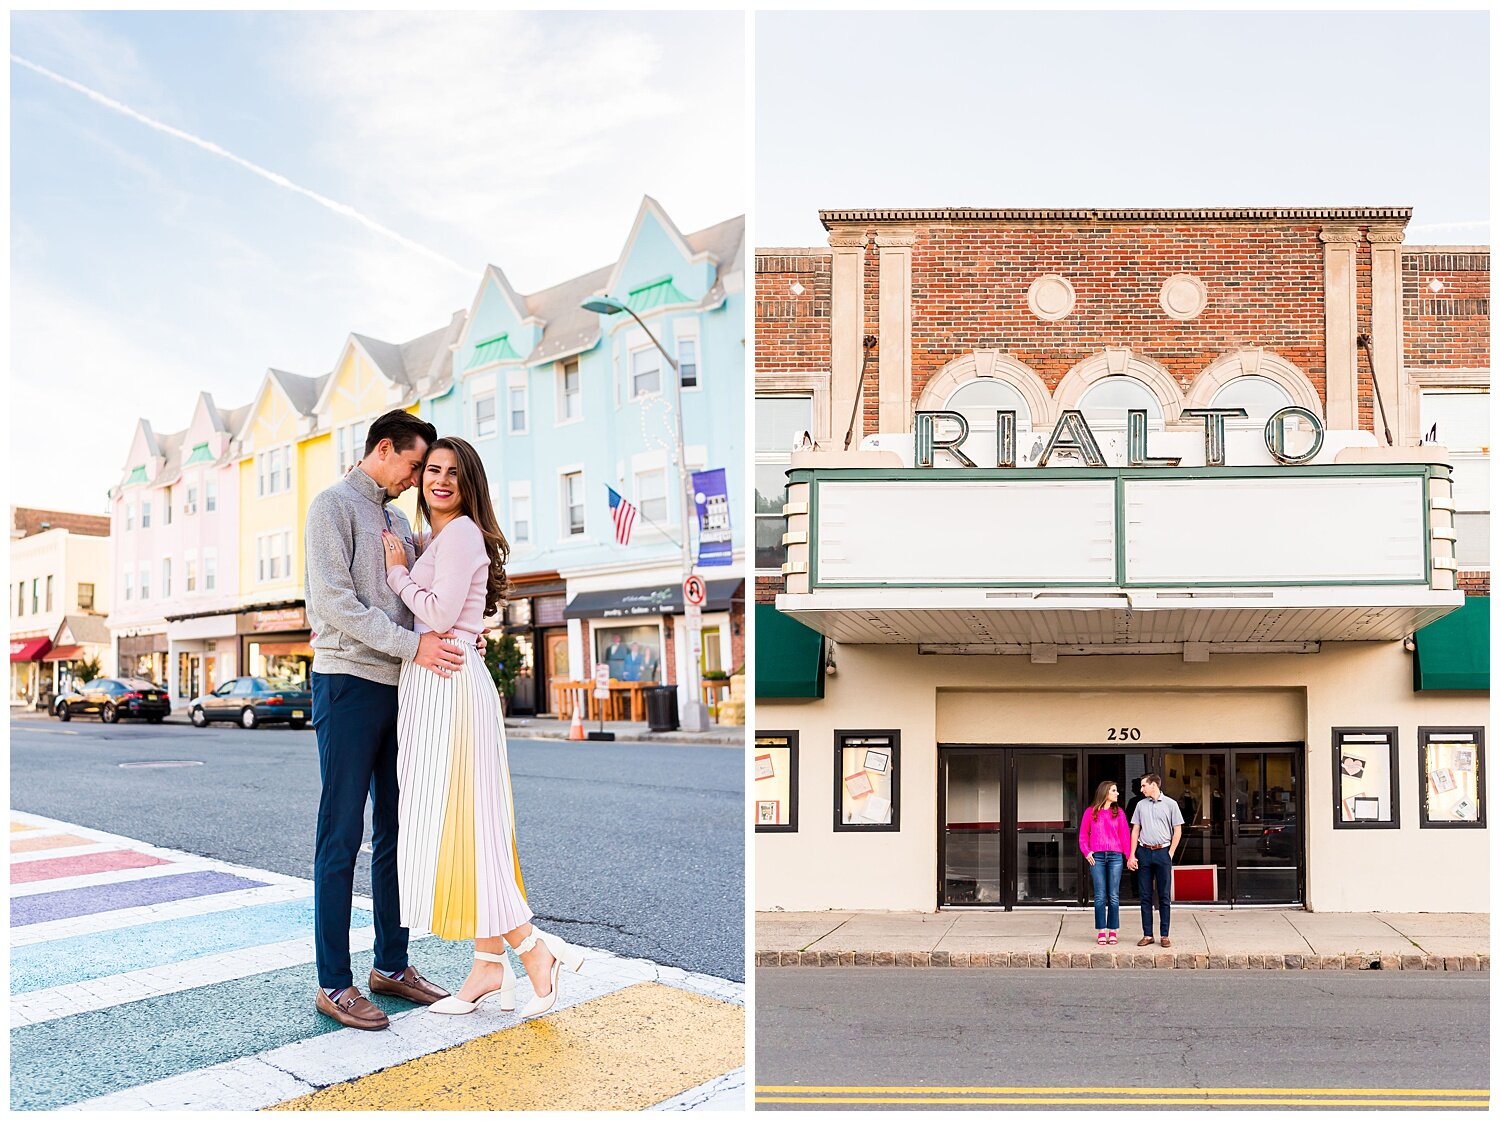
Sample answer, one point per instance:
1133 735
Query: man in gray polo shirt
1155 829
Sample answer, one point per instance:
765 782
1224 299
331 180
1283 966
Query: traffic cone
576 731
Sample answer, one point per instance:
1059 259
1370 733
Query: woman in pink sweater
459 870
1104 839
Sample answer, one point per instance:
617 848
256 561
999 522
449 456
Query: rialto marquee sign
1072 436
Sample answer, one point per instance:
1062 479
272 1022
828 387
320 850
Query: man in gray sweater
362 632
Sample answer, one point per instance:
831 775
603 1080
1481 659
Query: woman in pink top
1104 839
459 871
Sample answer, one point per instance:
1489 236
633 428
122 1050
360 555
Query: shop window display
632 653
867 788
775 799
1452 775
1364 777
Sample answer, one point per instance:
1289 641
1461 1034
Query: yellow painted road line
1243 1102
930 1090
627 1050
17 827
55 841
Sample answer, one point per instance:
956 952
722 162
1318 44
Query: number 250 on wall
1124 734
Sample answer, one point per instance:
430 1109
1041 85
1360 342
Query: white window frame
273 469
661 516
190 504
517 382
476 422
686 330
166 577
633 349
521 492
564 522
129 515
210 570
210 495
145 513
782 459
49 592
562 390
129 586
190 572
144 587
166 514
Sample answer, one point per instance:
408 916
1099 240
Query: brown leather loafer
1146 941
352 1010
1166 942
412 986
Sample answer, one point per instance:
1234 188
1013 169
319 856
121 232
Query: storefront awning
28 649
788 657
1454 652
623 603
63 654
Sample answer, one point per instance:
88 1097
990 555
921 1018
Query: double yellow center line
1244 1097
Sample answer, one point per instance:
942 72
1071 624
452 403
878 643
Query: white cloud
528 139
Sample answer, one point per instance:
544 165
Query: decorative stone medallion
1050 297
1183 296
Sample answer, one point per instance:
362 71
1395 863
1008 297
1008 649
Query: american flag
623 514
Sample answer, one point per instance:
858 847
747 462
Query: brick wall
1475 583
791 328
1449 327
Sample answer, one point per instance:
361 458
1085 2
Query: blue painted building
564 403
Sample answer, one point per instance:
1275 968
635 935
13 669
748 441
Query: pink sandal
1103 940
1114 937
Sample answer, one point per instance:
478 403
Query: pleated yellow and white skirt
459 870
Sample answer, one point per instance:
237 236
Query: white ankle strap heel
563 955
506 993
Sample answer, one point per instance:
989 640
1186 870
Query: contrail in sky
280 180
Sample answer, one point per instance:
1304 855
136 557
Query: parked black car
252 701
115 698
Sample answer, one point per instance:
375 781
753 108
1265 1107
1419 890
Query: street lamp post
693 717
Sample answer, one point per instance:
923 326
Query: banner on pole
711 497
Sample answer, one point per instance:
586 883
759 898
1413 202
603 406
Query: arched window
978 401
1106 403
1258 396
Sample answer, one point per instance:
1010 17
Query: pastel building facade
58 596
562 404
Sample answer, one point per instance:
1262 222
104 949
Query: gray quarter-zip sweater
360 626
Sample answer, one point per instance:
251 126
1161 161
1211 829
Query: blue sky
144 269
1109 109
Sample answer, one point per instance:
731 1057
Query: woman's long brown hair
473 500
1101 795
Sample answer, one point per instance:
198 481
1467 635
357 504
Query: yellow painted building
300 436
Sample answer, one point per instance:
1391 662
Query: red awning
28 649
63 654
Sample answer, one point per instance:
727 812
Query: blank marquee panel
1253 531
966 532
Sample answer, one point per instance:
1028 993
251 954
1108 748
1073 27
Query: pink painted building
175 555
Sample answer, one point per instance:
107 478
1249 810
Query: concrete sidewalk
1201 939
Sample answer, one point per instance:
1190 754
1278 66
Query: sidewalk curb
1022 959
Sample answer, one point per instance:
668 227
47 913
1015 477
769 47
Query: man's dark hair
1152 777
401 429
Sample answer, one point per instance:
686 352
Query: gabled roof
386 358
437 376
569 329
300 393
87 630
171 446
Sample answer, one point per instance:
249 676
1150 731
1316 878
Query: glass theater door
971 858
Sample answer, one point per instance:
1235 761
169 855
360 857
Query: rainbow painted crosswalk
143 979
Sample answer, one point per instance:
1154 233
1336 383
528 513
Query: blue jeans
355 721
1154 866
1106 870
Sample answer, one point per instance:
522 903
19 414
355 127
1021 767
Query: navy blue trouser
355 722
1154 865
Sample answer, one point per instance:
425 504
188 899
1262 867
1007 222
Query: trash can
661 708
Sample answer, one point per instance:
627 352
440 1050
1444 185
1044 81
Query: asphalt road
637 848
886 1027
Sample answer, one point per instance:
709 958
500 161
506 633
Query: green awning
137 477
497 349
200 454
656 294
788 657
1454 652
